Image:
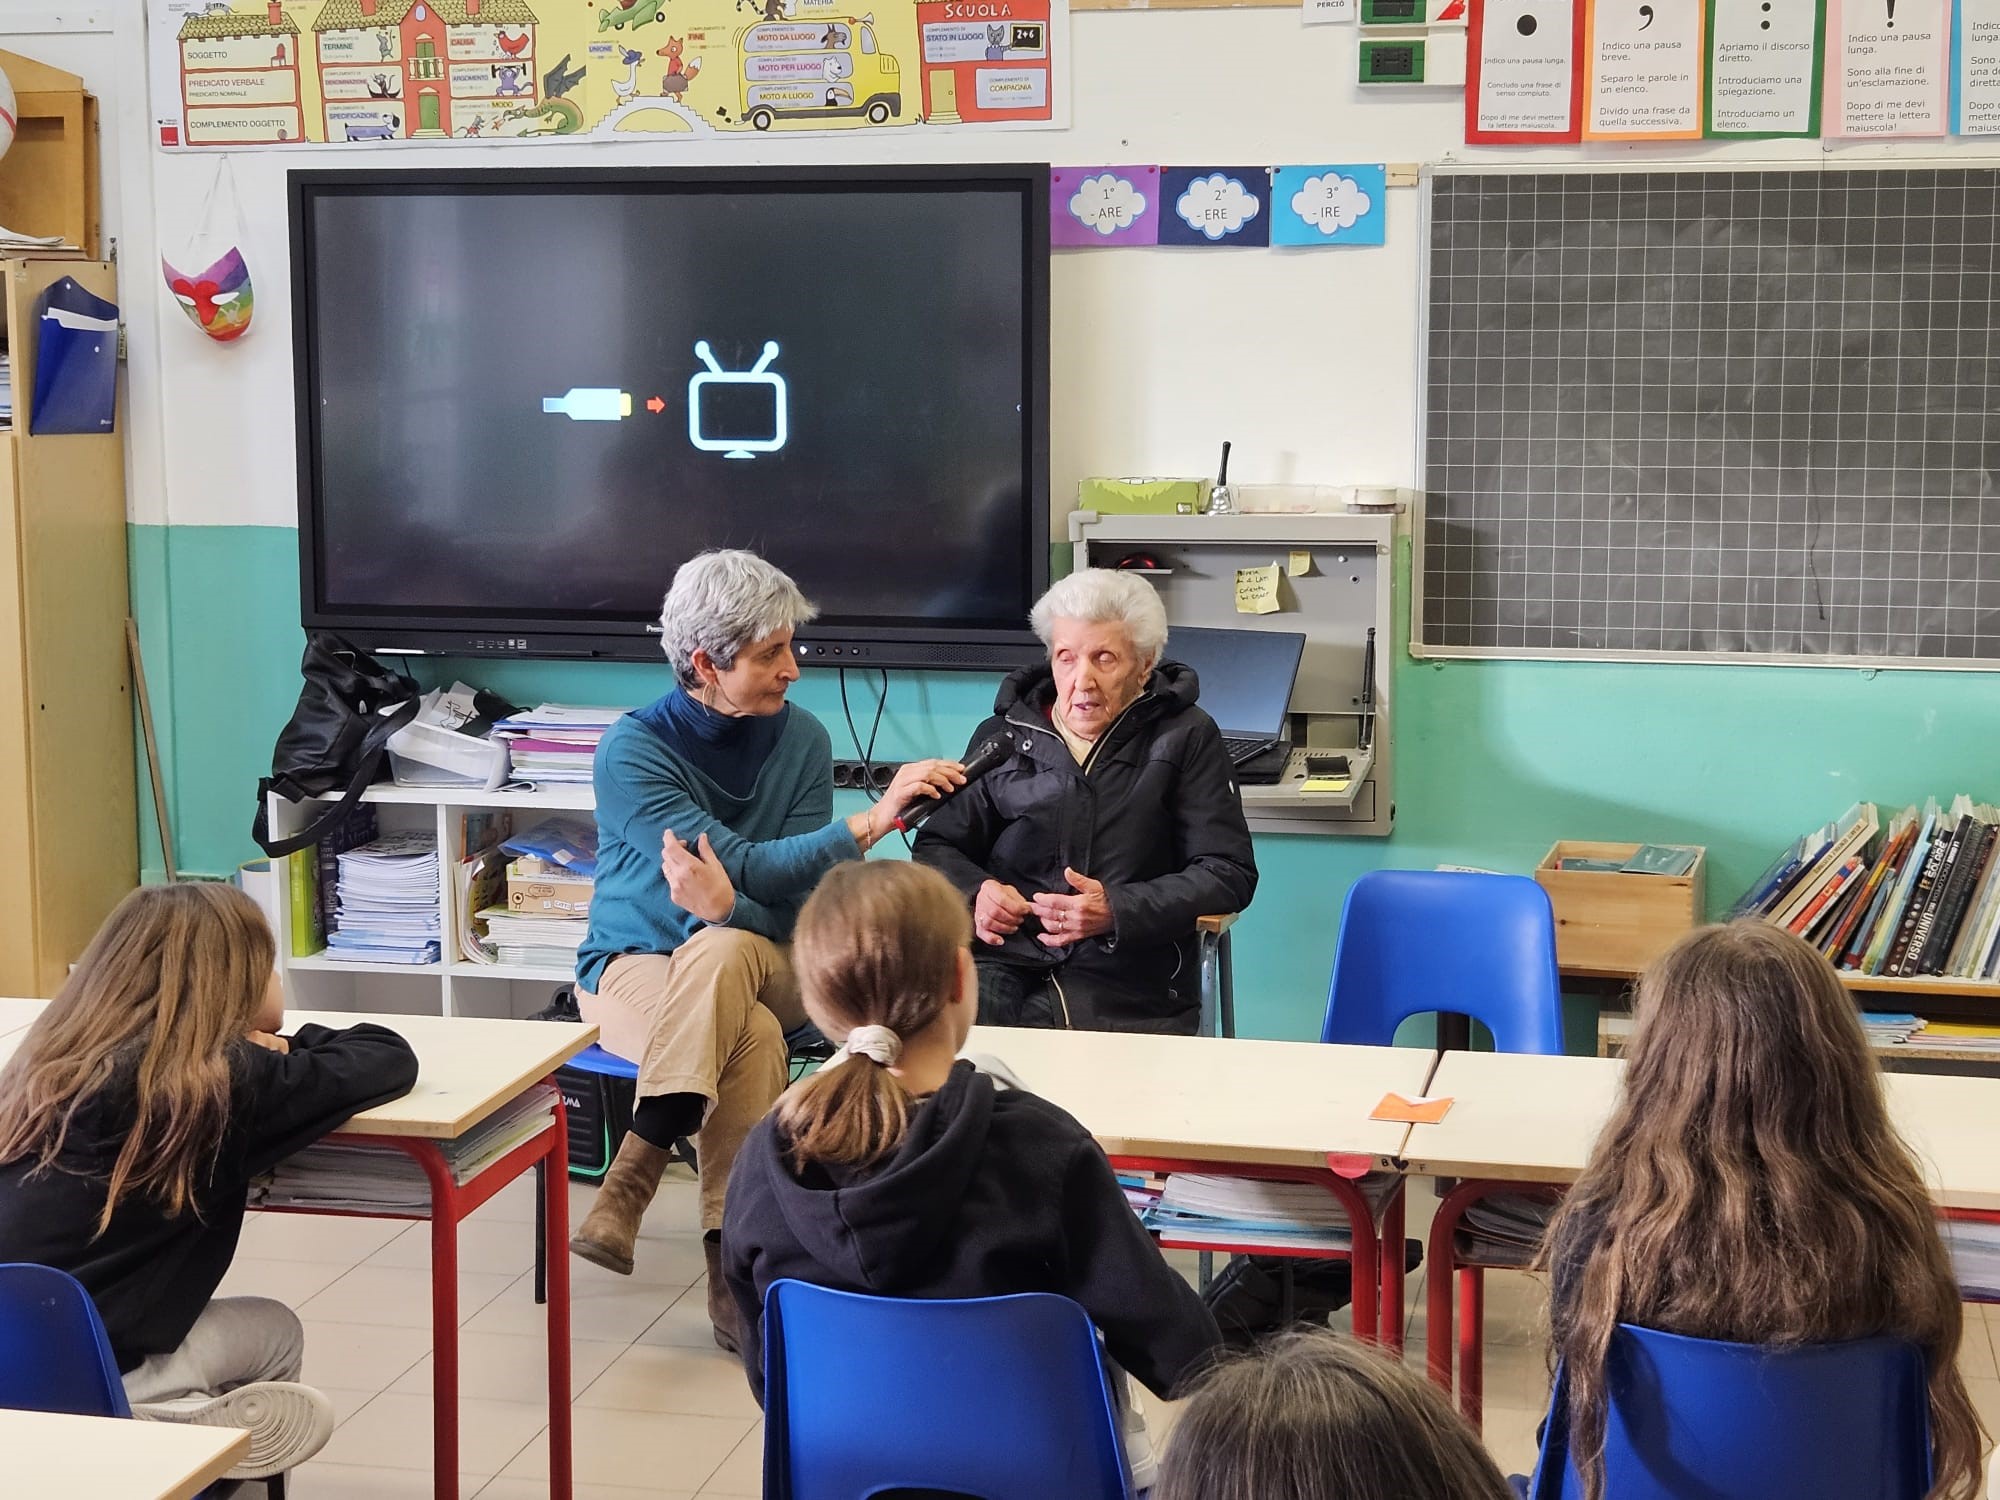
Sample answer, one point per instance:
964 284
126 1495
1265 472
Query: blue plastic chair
1419 942
54 1355
1694 1419
1003 1398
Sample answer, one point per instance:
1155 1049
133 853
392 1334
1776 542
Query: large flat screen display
527 396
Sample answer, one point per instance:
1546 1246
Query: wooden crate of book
1613 922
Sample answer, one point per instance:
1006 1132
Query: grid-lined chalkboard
1713 412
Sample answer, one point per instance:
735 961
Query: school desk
1527 1124
113 1458
18 1015
1292 1111
467 1068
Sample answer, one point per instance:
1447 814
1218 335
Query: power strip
852 776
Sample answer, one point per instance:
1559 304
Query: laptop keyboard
1242 747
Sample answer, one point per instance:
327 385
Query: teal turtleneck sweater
773 828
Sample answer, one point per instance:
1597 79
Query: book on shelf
1824 896
1661 859
1851 834
308 934
1921 918
1877 953
1850 934
1968 861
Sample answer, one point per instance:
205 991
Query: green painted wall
1494 760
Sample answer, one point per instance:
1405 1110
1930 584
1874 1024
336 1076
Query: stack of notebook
556 742
1975 1254
1199 1209
386 898
1920 896
359 1175
1503 1230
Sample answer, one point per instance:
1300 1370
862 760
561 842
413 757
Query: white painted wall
1305 359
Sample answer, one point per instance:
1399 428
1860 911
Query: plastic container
430 755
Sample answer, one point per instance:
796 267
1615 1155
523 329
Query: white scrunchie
876 1043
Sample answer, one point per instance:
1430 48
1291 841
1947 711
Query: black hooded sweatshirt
1154 814
994 1191
149 1273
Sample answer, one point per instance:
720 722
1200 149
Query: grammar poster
270 73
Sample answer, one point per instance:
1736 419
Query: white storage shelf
453 986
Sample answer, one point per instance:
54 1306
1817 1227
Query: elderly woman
1113 824
715 820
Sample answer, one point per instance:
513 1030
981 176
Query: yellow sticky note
1257 590
1299 564
1324 784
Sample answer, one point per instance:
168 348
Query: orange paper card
1411 1111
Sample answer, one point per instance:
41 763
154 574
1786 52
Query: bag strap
374 749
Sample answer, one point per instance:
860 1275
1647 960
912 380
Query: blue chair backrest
594 1059
1697 1419
1003 1398
53 1352
1416 942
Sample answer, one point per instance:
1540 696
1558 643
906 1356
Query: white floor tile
668 1378
324 1481
394 1431
637 1448
361 1356
395 1297
685 1322
1976 1351
675 1260
538 1489
742 1473
1509 1433
292 1282
276 1236
345 1402
612 1311
490 1246
512 1367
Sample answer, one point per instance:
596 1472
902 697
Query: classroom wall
1305 360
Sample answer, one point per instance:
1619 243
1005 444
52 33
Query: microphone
984 759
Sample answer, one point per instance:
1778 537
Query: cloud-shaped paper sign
1331 202
1107 203
1218 205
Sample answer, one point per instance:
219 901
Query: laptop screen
1246 675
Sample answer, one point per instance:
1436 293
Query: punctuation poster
1975 68
1888 69
1643 69
1764 66
1523 79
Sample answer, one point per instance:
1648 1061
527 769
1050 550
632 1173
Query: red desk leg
1444 1272
445 1212
555 1187
1392 1269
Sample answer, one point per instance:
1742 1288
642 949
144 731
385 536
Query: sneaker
288 1423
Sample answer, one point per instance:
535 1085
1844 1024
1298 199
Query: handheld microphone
984 759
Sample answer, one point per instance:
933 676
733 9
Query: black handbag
348 708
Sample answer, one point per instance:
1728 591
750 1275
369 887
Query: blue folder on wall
76 361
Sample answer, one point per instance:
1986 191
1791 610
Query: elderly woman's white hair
722 601
1106 595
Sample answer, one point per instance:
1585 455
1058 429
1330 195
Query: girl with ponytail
900 1170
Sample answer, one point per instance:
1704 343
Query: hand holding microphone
928 790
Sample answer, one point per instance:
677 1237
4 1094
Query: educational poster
1337 205
1104 206
1975 67
1215 206
1523 73
245 73
1764 66
1889 67
1643 62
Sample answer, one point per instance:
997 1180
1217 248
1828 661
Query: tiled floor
659 1410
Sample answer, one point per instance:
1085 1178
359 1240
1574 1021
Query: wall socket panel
852 776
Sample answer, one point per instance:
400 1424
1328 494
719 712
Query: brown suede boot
610 1230
721 1306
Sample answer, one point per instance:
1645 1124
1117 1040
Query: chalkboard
1713 413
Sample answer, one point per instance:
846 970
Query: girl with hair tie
902 1171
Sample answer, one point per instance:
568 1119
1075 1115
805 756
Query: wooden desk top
114 1458
1515 1118
1953 1124
467 1066
1214 1099
19 1015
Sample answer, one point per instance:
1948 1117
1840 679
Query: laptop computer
1246 681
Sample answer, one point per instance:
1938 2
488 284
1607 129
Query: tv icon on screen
737 413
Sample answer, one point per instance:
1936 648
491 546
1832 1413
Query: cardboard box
536 890
1612 925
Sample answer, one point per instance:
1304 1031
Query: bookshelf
453 986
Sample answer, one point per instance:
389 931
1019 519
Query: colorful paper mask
218 299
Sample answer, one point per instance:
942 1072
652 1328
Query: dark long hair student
1310 1416
1750 1187
900 1172
133 1116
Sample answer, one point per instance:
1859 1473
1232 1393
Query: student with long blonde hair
134 1115
1750 1187
1310 1416
901 1171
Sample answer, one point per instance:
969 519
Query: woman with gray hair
1113 824
714 822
